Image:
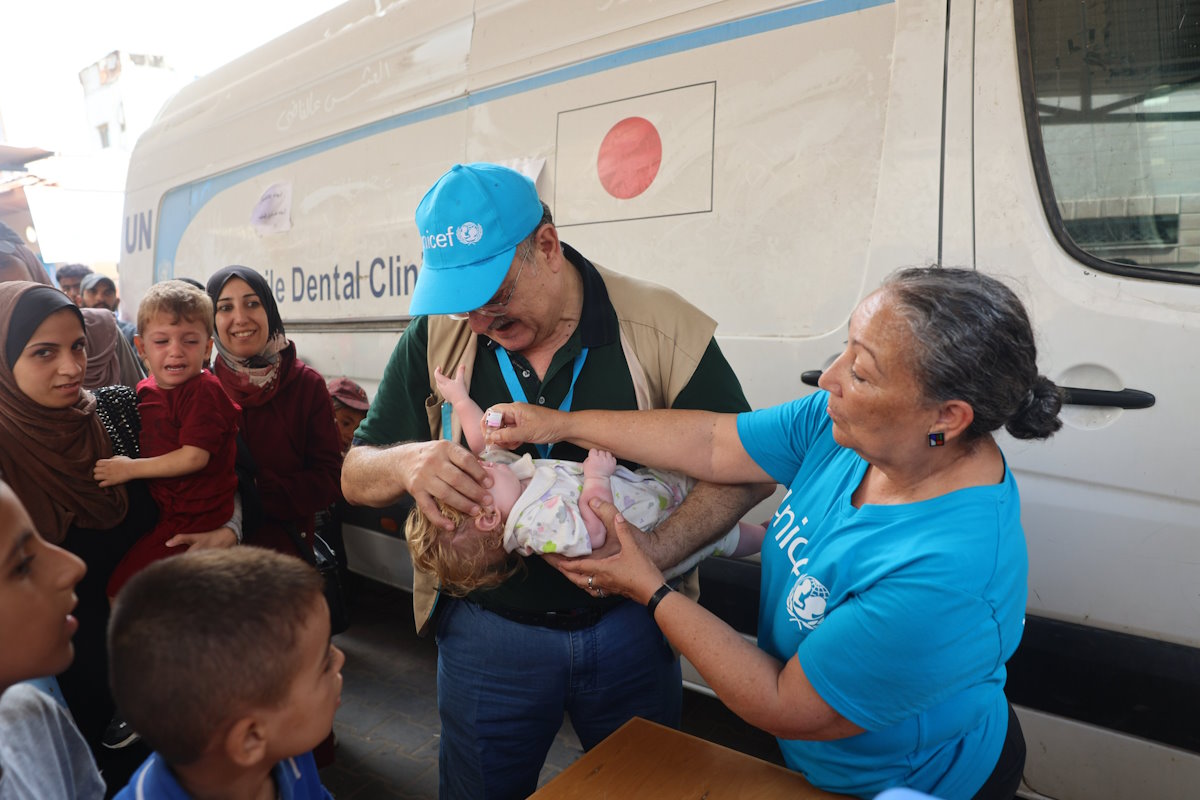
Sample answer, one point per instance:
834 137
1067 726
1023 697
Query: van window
1112 99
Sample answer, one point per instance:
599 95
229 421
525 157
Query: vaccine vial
493 420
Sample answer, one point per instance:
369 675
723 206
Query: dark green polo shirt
397 413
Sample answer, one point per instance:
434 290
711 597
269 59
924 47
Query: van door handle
1072 395
1123 398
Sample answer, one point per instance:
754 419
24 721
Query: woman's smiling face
49 370
241 319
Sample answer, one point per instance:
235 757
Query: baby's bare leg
598 468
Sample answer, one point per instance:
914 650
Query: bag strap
450 343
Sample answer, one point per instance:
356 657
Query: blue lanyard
518 392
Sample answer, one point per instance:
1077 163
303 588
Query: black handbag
335 594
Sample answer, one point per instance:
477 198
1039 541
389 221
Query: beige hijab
103 336
47 455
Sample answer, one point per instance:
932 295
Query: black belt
571 620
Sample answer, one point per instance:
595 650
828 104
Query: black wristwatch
657 597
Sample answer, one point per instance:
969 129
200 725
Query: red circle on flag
629 157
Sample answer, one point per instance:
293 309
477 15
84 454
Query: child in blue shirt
42 754
222 660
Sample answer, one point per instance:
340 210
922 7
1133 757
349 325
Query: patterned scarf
253 381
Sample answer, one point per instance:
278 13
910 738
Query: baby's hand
113 471
453 389
599 464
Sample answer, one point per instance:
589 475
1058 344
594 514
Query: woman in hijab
52 431
287 417
17 261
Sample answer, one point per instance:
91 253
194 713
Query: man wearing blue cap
532 320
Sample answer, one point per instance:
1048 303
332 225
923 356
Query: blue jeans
503 688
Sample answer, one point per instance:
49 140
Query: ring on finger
591 582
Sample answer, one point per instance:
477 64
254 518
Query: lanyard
518 392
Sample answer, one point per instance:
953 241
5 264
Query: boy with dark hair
222 660
42 754
350 406
69 277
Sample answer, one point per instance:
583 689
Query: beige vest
663 338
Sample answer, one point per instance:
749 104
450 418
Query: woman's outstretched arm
703 444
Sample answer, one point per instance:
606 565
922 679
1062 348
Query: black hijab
252 381
258 283
31 309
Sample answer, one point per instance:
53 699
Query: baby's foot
599 464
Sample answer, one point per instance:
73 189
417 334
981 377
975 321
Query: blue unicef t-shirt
902 616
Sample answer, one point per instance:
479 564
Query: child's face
175 350
37 595
506 488
347 420
306 716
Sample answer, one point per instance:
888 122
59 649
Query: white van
791 155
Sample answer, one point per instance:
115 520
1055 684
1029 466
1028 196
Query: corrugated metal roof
15 158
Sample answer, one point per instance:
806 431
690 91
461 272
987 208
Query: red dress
198 413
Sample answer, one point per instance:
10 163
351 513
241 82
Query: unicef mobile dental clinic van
773 161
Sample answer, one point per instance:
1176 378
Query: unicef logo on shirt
806 602
469 232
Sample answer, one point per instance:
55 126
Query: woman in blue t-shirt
894 571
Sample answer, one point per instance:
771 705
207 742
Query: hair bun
1037 416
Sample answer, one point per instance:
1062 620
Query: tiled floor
387 727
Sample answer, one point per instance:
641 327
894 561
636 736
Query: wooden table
647 760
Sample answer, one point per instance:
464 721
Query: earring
937 439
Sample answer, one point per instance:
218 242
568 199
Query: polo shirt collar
598 320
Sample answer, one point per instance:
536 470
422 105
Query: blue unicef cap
471 222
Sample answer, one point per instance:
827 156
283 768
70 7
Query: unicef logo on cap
806 602
469 232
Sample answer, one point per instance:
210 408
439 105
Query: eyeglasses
498 309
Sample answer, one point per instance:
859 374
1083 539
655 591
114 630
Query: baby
544 506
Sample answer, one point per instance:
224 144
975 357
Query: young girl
42 754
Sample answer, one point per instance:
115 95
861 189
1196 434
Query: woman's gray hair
972 341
